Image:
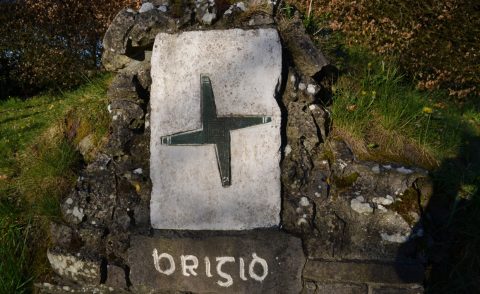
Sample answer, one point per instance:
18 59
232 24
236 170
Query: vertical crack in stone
103 270
127 276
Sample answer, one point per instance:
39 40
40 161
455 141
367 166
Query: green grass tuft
386 117
38 159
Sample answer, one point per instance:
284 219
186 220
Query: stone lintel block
414 289
242 262
341 288
361 272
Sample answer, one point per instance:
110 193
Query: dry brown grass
390 147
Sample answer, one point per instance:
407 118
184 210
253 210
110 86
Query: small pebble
146 7
304 201
376 169
405 171
288 149
241 5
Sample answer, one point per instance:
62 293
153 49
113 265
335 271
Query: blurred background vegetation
51 44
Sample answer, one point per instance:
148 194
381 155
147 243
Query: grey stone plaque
232 182
260 262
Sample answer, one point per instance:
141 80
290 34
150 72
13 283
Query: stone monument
220 174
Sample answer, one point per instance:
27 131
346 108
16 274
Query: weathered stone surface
307 58
47 288
115 40
244 67
341 288
359 210
147 25
357 272
75 268
116 277
415 289
205 11
131 33
231 269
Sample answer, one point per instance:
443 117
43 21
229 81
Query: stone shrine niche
189 194
232 183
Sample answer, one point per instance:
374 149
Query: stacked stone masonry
355 223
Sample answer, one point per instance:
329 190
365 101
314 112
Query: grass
385 118
38 159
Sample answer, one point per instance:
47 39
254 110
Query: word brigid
189 267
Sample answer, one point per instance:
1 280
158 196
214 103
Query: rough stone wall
356 219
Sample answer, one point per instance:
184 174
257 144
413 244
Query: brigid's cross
215 130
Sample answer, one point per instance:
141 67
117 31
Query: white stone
138 171
288 149
311 89
404 170
146 7
229 10
162 8
69 201
394 238
245 68
78 213
302 86
382 200
208 18
241 6
361 207
293 79
376 169
67 265
381 208
304 201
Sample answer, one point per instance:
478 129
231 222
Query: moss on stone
408 204
346 181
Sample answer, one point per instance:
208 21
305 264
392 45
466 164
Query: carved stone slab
231 185
260 262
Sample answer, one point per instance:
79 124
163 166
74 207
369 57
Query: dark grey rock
144 30
115 40
61 235
116 277
341 288
307 58
411 289
281 252
131 34
358 272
